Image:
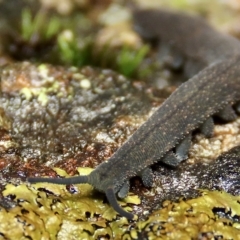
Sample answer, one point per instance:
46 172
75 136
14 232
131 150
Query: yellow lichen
189 219
49 211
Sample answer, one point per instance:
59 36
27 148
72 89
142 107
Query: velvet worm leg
113 201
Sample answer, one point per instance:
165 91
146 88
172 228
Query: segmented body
207 93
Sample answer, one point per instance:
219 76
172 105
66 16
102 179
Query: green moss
128 60
72 51
38 26
81 52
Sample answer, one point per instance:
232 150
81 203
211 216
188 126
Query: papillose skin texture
212 62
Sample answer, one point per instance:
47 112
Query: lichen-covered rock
47 211
214 215
53 111
55 116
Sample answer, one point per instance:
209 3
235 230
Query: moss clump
72 51
128 60
39 26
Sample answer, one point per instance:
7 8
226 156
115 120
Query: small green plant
39 26
128 60
73 51
80 52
